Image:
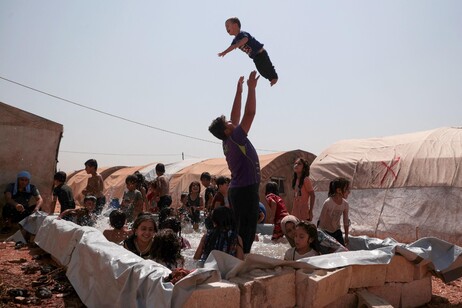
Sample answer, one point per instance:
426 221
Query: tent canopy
422 159
406 186
277 167
28 142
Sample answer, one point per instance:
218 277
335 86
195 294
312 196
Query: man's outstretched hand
253 79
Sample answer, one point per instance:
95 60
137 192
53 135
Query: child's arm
234 46
200 249
272 205
53 205
346 224
67 212
310 190
239 249
100 184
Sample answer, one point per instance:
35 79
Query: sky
139 82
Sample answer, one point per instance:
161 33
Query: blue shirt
252 47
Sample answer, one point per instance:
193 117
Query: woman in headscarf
18 197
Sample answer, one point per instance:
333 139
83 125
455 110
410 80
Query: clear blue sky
348 70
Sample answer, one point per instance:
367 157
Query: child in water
333 208
119 233
166 249
277 208
306 242
253 48
222 237
84 216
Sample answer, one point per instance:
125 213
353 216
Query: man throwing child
242 160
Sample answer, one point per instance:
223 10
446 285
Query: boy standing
242 160
163 186
210 191
62 193
253 48
95 185
132 200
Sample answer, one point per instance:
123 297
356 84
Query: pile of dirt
29 277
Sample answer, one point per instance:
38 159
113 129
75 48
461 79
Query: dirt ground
28 275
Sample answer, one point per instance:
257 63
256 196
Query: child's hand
222 54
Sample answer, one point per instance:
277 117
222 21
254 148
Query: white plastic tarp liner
106 275
405 187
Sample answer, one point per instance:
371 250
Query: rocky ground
30 278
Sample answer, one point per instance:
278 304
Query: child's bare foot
273 81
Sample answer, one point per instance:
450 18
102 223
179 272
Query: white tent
406 186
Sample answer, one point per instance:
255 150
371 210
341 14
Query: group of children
221 230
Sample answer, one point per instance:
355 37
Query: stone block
267 288
417 293
321 287
221 294
369 300
421 271
363 276
400 270
391 292
349 300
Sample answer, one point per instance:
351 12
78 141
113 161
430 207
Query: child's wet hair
171 223
272 188
132 178
312 232
194 183
91 163
166 246
223 218
144 217
206 176
221 180
60 176
117 219
339 183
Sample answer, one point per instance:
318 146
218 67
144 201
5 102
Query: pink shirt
301 205
329 220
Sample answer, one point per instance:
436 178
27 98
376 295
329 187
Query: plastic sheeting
405 186
107 275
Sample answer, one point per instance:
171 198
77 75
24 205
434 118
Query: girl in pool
306 242
288 225
304 197
140 241
335 207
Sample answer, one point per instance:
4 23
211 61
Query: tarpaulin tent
28 142
406 186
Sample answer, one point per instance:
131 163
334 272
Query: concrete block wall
216 294
400 283
321 287
267 288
